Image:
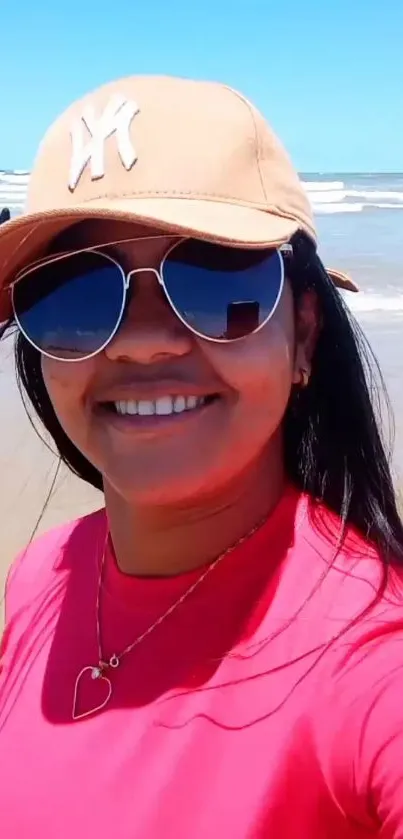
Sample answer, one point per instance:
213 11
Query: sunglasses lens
222 292
70 308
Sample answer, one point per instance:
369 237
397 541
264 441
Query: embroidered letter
115 119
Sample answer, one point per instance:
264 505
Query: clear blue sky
328 74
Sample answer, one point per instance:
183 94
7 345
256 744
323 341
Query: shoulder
353 575
356 723
47 556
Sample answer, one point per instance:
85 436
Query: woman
217 653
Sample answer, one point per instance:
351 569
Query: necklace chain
115 659
100 671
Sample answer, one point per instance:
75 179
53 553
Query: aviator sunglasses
70 306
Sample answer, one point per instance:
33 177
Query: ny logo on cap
115 119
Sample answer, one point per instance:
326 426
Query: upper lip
152 391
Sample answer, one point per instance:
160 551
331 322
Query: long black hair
333 440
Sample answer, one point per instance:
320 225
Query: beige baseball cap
186 156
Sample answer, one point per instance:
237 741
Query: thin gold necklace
97 672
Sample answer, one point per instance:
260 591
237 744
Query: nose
150 331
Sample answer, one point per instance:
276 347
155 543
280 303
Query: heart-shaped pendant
95 674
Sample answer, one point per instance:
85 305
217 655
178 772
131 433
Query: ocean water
360 224
13 188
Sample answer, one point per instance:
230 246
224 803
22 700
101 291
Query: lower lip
135 423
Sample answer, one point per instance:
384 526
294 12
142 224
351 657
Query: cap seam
206 196
252 111
210 196
228 199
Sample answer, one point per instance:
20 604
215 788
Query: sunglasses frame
281 251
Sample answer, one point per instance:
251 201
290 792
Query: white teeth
179 404
163 406
145 408
129 407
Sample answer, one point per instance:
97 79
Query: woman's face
171 459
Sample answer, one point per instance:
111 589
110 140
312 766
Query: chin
143 488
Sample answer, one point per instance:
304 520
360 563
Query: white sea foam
371 302
323 186
13 189
18 175
374 198
389 206
372 195
323 209
329 197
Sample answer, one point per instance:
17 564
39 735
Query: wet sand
27 470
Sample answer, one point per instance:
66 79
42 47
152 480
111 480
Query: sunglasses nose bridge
131 274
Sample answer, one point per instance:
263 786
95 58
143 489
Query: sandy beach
28 472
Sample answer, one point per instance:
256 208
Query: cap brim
24 238
342 280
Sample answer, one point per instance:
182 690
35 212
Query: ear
307 329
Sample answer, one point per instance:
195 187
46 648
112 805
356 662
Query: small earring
304 380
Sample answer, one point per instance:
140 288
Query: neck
151 541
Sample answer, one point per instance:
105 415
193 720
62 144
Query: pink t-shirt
260 708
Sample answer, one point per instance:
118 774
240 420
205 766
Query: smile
162 406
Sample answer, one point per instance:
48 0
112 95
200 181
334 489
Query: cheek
260 371
66 385
264 357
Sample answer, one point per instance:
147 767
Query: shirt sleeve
27 576
384 733
4 635
8 587
360 745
